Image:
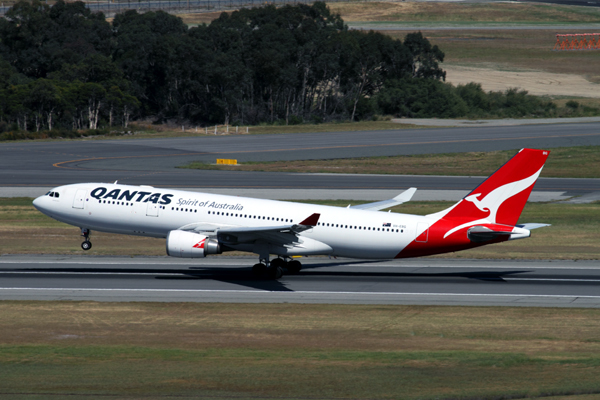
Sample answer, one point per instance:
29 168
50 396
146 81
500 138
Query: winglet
312 220
406 195
380 205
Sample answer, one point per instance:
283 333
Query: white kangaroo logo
494 199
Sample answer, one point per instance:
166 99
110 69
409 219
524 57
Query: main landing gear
86 245
274 269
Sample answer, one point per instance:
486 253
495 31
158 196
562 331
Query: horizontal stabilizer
484 234
480 233
532 225
380 205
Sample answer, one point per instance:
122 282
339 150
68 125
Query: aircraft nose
38 203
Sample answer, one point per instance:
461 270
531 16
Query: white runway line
262 292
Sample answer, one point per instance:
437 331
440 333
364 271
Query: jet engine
191 245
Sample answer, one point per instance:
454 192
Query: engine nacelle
191 245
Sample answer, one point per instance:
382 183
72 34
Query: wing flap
279 234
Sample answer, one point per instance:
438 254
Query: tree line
64 67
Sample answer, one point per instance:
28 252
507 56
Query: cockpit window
56 194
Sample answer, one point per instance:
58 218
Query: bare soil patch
538 83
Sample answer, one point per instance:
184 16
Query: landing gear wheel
86 245
259 269
294 266
275 272
278 262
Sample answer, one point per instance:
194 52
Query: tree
44 101
426 59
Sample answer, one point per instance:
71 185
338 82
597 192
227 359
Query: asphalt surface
153 161
229 279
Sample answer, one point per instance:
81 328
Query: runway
153 161
338 281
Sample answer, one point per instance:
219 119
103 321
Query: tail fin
501 198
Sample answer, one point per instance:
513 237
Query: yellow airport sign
226 161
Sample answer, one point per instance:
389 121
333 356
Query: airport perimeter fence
112 7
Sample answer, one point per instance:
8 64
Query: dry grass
511 50
146 350
463 12
201 18
144 130
310 327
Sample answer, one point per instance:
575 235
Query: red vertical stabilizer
499 200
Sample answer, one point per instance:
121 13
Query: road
229 279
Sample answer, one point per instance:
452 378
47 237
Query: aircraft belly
363 244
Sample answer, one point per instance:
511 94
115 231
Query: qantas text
157 198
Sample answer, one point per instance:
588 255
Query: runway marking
305 292
92 273
549 279
61 163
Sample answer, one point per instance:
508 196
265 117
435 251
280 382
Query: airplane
199 224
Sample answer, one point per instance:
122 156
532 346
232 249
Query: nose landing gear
86 245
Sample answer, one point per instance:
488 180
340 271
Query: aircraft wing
380 205
280 234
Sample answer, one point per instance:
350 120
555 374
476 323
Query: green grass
163 350
565 162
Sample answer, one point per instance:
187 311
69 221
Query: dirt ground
535 82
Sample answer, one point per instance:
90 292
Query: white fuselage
153 212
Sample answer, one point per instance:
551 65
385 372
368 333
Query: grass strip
573 235
296 351
564 162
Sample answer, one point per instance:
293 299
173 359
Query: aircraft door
152 210
79 200
422 233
